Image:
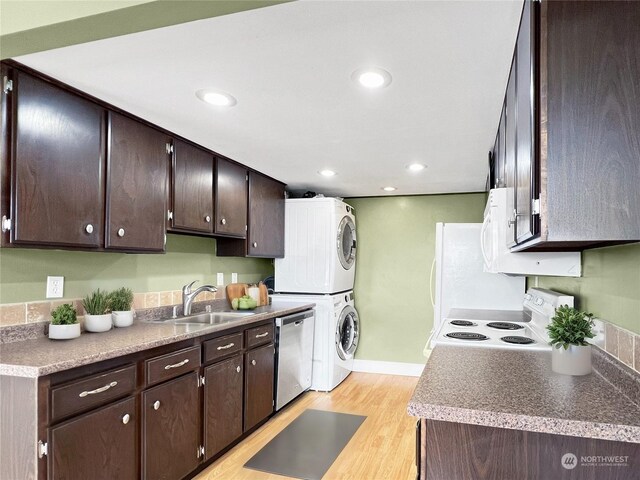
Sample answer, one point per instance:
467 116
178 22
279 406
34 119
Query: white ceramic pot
122 318
64 332
576 360
97 323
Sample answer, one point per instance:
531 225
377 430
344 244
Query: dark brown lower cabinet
222 404
97 445
258 391
171 429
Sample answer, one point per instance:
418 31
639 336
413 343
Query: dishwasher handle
296 318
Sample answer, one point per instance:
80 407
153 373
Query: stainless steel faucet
188 296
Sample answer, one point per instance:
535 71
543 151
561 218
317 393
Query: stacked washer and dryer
319 267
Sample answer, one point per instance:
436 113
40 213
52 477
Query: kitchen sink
213 318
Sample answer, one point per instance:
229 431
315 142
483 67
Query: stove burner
518 340
467 336
462 323
504 325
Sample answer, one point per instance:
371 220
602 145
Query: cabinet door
58 166
222 404
525 159
192 188
98 445
258 390
266 217
510 152
171 429
500 152
231 198
137 175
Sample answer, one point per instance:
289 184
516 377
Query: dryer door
347 333
347 242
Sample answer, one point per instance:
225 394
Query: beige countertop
41 356
516 389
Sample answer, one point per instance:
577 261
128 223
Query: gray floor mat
308 446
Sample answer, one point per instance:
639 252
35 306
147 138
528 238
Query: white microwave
497 256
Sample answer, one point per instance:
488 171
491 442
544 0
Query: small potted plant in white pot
568 331
120 302
98 318
64 323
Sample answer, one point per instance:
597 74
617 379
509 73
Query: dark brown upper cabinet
231 198
577 126
265 235
57 165
137 178
192 183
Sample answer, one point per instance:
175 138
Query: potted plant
64 323
98 318
568 331
120 302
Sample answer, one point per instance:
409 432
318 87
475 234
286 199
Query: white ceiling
298 111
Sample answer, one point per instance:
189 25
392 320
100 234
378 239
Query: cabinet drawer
222 347
172 365
87 393
259 335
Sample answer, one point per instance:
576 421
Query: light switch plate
55 287
220 279
234 278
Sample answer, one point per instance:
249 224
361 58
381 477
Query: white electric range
520 329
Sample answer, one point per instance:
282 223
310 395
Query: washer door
347 333
347 242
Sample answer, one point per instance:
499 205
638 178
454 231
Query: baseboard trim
388 368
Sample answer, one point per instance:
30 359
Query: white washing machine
336 335
319 247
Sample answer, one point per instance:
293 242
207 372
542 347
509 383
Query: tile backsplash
622 345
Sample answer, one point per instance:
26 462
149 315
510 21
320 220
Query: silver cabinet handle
126 418
88 228
98 390
176 365
207 218
224 347
121 232
238 369
261 335
253 362
255 244
156 405
223 221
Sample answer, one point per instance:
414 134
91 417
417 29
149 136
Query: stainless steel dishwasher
294 355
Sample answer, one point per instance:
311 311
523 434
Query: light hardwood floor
383 448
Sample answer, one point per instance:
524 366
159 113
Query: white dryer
319 246
336 335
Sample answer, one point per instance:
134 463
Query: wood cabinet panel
137 178
510 151
222 404
221 347
171 429
174 364
192 186
98 445
259 335
258 391
266 217
231 198
58 166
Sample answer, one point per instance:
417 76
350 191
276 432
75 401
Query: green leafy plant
64 315
97 303
120 300
570 326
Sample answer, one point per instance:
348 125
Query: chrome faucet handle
187 288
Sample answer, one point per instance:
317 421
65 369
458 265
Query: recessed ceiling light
372 77
416 167
389 189
327 173
217 98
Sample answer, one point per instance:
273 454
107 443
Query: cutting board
235 290
264 294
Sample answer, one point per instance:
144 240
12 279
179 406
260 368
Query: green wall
609 286
396 246
23 272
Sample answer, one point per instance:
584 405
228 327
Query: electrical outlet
220 279
234 278
55 287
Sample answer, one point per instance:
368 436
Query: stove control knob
527 296
539 301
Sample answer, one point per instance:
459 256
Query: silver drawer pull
98 390
126 418
224 347
176 365
261 335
